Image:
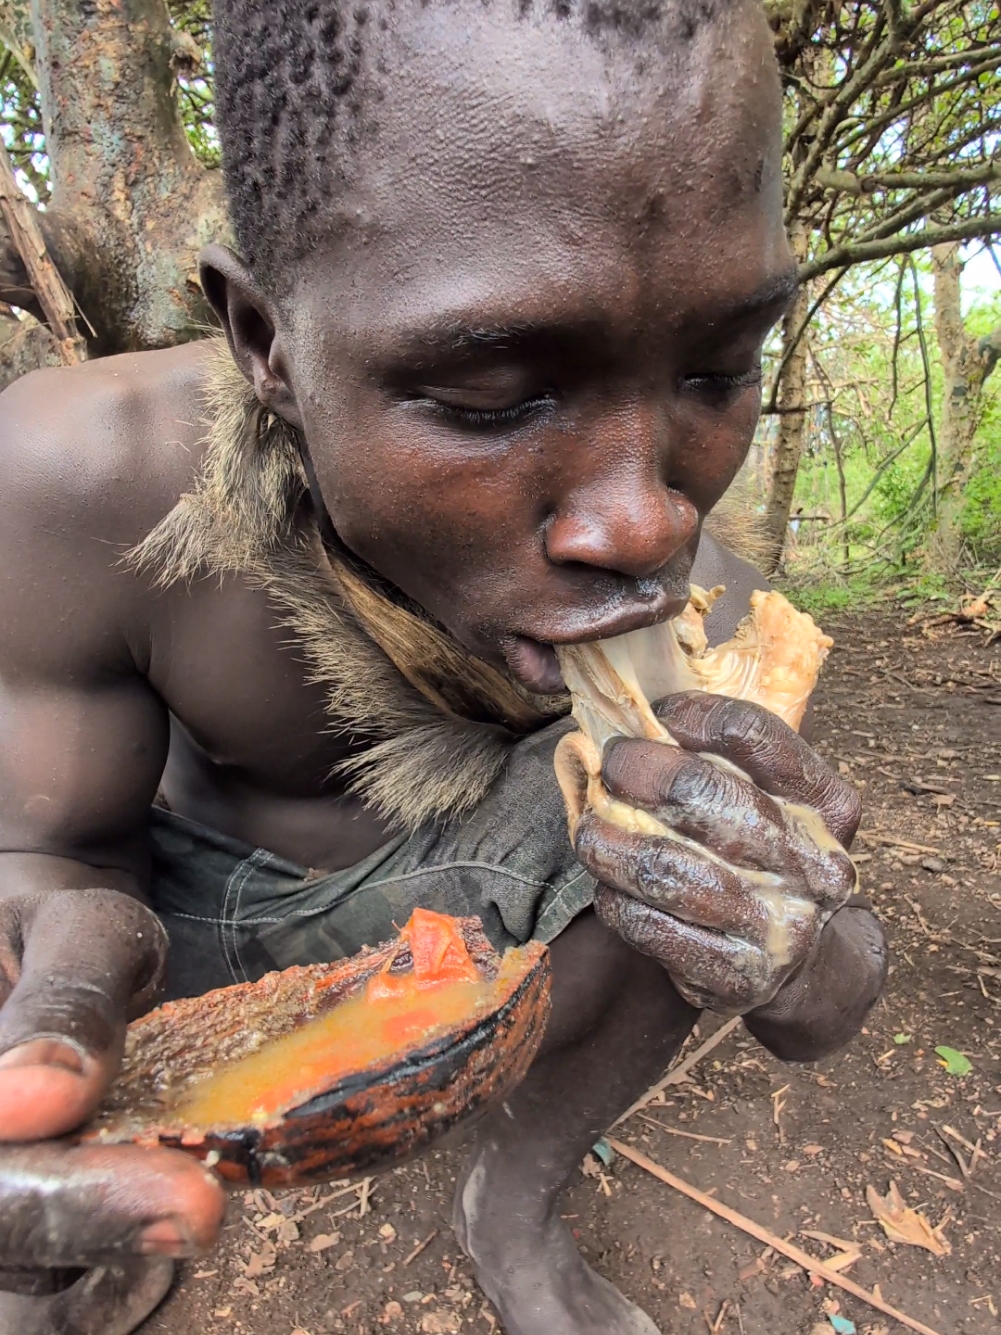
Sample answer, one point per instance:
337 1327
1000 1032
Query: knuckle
746 727
696 784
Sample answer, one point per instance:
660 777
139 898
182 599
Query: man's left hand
736 908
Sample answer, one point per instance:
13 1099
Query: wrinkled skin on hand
736 910
75 966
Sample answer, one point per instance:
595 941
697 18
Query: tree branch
989 348
958 180
44 278
901 244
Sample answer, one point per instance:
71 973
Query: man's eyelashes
714 382
448 406
487 419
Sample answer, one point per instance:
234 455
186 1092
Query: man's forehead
485 108
520 179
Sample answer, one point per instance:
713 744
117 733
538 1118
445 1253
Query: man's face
528 359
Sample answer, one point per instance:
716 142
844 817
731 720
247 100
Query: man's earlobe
247 322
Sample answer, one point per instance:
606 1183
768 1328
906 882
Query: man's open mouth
534 664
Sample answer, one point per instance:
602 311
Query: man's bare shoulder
102 449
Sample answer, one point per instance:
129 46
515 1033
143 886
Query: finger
673 878
86 959
786 843
769 752
66 1205
108 1300
710 970
703 801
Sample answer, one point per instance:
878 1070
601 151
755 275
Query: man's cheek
716 450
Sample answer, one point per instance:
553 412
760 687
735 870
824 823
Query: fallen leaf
391 1312
324 1240
260 1263
441 1323
345 1262
288 1232
901 1039
813 1150
954 1062
387 1232
686 1300
902 1224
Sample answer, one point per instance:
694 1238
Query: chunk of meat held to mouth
773 660
326 1070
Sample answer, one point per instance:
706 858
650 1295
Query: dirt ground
913 717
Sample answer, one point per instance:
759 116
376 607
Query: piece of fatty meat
773 659
328 1070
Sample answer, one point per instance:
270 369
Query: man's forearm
824 1006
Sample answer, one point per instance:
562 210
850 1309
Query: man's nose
631 527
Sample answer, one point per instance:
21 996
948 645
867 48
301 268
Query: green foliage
194 87
833 594
868 380
21 124
981 522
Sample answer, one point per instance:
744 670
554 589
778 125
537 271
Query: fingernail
46 1050
166 1237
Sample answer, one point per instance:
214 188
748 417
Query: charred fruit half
327 1070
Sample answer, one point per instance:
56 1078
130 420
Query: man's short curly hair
290 78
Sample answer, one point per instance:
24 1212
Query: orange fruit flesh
394 1014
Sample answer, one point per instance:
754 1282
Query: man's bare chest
252 751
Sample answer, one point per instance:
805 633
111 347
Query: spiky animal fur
441 723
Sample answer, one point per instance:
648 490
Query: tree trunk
966 364
792 429
130 206
25 345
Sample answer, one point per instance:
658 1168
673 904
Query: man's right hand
75 966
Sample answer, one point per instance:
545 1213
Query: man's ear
249 327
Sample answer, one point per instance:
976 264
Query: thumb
87 959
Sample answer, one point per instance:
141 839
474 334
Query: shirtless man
496 341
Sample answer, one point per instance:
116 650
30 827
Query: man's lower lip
535 665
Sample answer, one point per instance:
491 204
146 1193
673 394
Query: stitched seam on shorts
405 876
237 880
390 880
261 862
558 898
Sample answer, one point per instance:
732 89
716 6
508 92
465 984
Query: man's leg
110 1300
617 1021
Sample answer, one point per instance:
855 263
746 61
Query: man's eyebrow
457 334
777 289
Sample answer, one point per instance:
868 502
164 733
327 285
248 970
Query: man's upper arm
83 738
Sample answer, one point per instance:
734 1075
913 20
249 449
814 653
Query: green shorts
234 912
